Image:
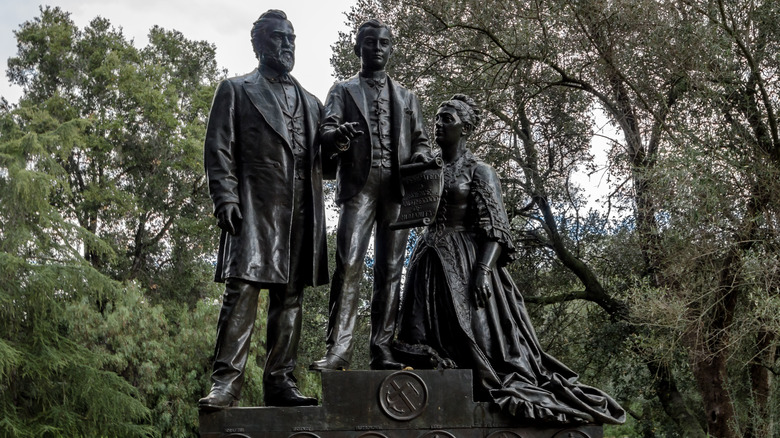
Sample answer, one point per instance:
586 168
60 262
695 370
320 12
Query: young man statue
374 125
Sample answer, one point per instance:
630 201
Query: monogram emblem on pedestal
403 396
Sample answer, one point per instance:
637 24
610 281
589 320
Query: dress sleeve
492 220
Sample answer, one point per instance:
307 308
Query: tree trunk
711 377
672 401
760 385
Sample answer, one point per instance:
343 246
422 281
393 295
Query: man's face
375 49
277 49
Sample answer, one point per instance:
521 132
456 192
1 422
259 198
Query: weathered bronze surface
422 183
372 125
461 307
391 404
264 172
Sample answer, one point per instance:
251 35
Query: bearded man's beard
287 60
283 61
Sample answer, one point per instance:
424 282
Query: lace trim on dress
492 218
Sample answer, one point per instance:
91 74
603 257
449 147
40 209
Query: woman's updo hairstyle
467 110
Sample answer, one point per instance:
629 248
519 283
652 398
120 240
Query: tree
50 382
690 88
107 237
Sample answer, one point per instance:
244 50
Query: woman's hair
467 109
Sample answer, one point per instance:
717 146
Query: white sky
225 23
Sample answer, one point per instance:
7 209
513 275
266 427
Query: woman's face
448 127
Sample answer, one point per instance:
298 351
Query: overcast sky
225 23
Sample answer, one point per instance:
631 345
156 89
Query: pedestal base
386 404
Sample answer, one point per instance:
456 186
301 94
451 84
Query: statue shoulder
240 79
404 94
483 170
230 85
339 88
485 174
399 87
351 81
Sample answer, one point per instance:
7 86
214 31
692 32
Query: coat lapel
356 91
259 91
397 112
310 118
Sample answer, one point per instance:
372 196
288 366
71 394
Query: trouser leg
389 254
234 332
352 238
284 307
283 336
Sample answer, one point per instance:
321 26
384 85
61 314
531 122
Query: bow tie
283 79
375 83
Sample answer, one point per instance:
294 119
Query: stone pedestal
386 404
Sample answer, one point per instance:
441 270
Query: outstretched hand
348 131
229 217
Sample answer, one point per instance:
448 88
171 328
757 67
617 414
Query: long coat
346 103
249 160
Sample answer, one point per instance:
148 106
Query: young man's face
375 49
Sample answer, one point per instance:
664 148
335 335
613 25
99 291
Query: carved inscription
423 202
422 191
363 427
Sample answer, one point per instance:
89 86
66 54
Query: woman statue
461 307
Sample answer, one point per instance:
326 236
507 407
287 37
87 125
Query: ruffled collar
458 167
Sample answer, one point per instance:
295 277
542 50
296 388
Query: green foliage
106 237
666 295
163 351
52 384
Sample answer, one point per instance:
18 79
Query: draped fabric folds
497 341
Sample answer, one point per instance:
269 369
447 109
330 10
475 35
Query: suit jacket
249 160
346 103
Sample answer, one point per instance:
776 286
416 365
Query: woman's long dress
497 341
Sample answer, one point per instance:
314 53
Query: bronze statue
461 307
373 125
263 164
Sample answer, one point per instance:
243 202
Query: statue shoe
217 399
290 396
385 361
329 362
